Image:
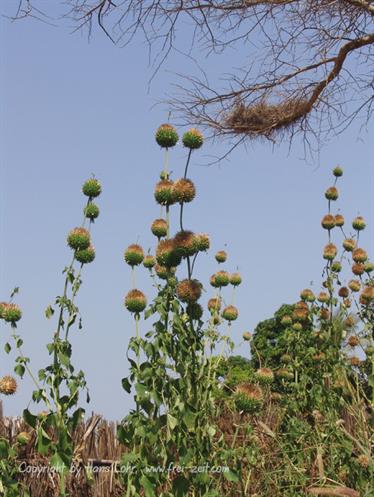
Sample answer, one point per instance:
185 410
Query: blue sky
70 108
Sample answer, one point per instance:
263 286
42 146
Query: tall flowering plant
58 385
173 370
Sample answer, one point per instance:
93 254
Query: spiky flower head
264 375
85 256
369 267
166 254
135 301
79 239
359 223
159 228
367 295
354 285
297 326
248 397
349 244
166 136
230 313
347 303
11 313
2 307
330 251
307 295
164 192
343 292
220 279
149 261
164 272
23 438
359 255
235 279
285 374
300 315
302 305
195 311
354 361
286 358
184 190
203 242
324 314
339 220
8 385
337 172
323 297
336 266
349 321
328 222
91 188
353 341
358 269
214 305
332 193
247 336
363 460
91 211
193 139
134 255
185 243
286 320
221 256
189 291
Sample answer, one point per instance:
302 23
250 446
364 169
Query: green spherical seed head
134 255
332 193
248 398
23 438
330 252
328 222
12 313
337 172
91 188
184 190
8 385
149 261
164 192
235 279
203 242
221 256
193 139
166 136
219 279
247 336
2 307
135 301
297 326
91 211
159 228
189 291
166 254
264 375
195 311
230 313
359 223
79 239
163 272
286 320
85 256
336 266
369 267
185 243
349 244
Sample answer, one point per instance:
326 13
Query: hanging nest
263 119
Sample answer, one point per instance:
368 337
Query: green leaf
148 486
230 475
180 486
49 312
64 359
20 370
7 348
126 385
14 292
172 421
30 419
